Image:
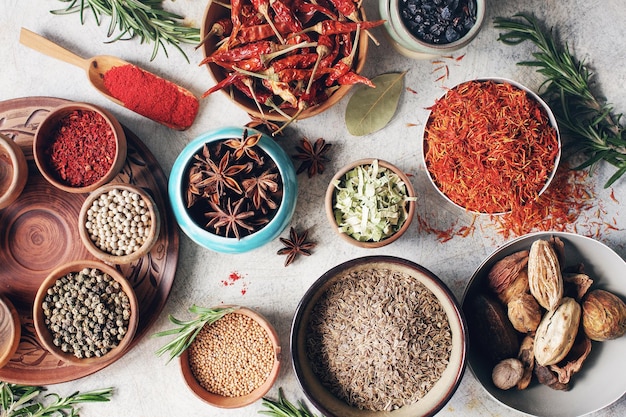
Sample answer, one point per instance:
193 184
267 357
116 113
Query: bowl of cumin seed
378 334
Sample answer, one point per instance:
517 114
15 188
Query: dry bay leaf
371 109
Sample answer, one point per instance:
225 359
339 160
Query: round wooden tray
40 231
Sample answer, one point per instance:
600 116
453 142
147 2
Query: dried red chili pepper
152 96
82 148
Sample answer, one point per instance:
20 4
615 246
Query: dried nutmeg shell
544 275
518 287
524 313
556 332
504 272
604 316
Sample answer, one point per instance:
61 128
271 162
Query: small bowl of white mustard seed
86 313
233 361
119 223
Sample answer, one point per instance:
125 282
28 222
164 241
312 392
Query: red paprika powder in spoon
152 96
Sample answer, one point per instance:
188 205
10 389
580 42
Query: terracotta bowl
329 203
45 335
242 401
316 391
13 171
215 12
45 135
153 233
10 330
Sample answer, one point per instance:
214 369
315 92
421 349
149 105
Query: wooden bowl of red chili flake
79 147
491 146
291 60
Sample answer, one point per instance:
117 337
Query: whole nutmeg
604 316
507 373
524 313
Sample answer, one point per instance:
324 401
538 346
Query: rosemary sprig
568 90
188 330
145 19
23 401
283 408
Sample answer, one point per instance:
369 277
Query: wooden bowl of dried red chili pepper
246 54
491 146
79 147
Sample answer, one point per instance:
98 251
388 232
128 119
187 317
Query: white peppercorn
118 222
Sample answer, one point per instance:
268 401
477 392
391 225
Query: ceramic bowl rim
534 96
56 114
259 238
330 194
458 326
153 236
242 401
400 34
43 333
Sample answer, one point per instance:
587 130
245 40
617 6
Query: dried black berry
438 21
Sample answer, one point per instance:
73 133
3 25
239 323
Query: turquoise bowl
213 241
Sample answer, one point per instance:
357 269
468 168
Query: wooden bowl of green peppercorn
86 313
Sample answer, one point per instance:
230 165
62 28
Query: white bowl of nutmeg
551 303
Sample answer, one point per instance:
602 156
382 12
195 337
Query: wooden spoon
95 67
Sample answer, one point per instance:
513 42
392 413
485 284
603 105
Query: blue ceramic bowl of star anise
233 189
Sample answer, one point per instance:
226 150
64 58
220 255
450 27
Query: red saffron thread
151 96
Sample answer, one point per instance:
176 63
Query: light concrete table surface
144 384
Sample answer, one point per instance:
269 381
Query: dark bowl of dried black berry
426 28
86 313
233 189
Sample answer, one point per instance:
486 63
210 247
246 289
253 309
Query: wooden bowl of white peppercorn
234 361
86 313
119 223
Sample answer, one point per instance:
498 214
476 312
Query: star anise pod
264 125
312 156
295 245
258 188
245 146
233 218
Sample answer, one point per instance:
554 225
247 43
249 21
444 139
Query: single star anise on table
312 156
295 245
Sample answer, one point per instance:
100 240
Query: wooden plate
40 231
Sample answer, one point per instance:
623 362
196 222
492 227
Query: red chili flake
233 278
151 96
82 148
489 146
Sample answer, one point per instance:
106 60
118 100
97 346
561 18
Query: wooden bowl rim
20 171
14 339
153 236
56 114
330 195
237 402
43 332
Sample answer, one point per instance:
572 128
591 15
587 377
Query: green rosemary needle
24 401
283 408
568 90
145 19
188 330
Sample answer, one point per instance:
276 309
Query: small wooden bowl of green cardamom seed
86 313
